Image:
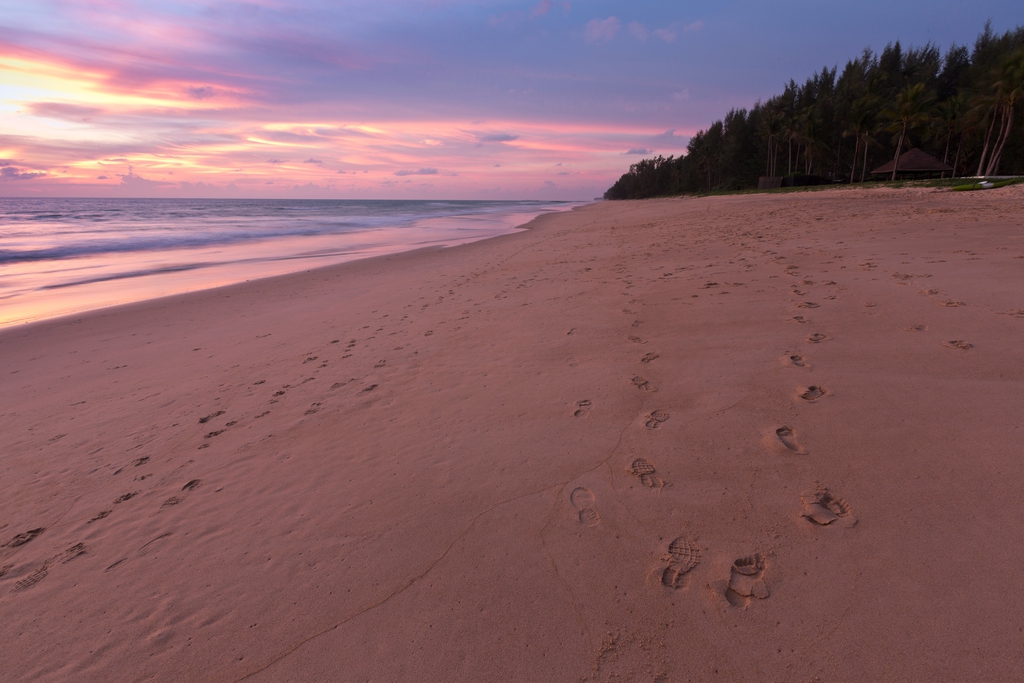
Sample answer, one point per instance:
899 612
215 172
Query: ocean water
61 256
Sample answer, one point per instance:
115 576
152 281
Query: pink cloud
540 9
601 30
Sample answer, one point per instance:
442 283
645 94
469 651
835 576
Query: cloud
497 137
11 173
638 30
666 34
681 96
6 162
132 181
695 26
540 9
315 162
200 92
65 112
640 150
422 171
101 177
670 139
601 30
276 161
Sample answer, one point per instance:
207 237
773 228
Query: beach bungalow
914 164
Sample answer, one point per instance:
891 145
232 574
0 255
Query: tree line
959 107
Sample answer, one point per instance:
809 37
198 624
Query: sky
405 99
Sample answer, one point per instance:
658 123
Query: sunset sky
481 99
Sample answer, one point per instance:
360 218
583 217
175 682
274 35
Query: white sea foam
60 256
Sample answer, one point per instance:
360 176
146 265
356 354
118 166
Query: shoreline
752 437
144 275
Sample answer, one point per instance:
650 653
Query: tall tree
909 111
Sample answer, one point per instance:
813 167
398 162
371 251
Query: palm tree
1008 91
951 114
908 112
772 125
861 121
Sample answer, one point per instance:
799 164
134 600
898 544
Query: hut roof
915 161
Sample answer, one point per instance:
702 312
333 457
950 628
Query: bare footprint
953 304
641 383
823 508
648 357
746 581
915 328
817 338
807 304
582 408
811 393
583 500
795 360
683 555
656 419
645 470
958 344
787 437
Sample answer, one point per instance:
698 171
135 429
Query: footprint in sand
655 419
823 508
645 470
811 393
641 383
24 537
795 360
33 578
583 500
915 328
787 437
817 338
953 304
746 581
648 357
958 344
683 555
807 304
582 408
800 319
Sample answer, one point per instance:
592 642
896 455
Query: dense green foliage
959 107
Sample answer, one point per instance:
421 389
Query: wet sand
748 438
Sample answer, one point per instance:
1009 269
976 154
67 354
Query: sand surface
750 438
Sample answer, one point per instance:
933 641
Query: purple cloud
497 137
11 173
640 150
200 92
422 171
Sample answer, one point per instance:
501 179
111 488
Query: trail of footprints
747 574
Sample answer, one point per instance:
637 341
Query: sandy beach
743 438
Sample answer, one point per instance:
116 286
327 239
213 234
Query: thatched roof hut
914 162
